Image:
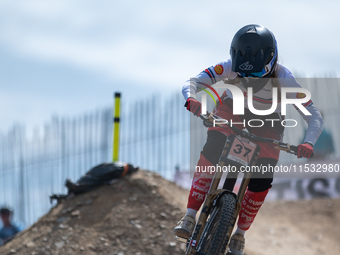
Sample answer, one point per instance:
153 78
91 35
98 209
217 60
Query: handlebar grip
294 148
207 123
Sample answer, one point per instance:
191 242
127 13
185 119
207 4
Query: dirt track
135 216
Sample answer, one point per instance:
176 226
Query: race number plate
241 151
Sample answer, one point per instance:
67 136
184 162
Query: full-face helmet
253 52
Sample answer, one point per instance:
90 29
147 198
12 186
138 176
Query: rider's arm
314 121
209 76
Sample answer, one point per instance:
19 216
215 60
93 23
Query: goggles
255 75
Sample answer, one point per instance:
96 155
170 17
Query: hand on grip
193 106
305 150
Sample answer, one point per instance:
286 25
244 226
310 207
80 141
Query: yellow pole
116 123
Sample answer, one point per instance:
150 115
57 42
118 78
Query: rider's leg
201 182
210 156
260 184
202 178
255 195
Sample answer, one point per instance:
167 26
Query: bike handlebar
209 120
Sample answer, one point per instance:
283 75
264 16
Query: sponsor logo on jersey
218 69
300 95
246 66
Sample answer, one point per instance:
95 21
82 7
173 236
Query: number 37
240 149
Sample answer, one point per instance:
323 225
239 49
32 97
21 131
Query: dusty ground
301 228
136 215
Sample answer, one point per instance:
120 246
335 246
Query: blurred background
61 61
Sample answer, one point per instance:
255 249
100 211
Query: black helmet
253 52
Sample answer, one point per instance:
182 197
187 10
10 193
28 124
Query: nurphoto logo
239 103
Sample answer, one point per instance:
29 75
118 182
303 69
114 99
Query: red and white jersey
263 99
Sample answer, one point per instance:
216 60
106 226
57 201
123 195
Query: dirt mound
136 215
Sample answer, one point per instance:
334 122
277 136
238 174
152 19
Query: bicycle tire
214 238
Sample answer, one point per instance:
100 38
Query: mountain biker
254 59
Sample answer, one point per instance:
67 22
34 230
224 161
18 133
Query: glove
305 150
193 106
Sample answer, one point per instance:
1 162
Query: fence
155 134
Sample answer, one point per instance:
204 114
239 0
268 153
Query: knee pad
213 147
261 182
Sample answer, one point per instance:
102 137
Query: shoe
236 245
185 227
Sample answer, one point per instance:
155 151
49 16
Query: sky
69 57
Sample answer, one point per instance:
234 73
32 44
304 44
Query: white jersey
262 100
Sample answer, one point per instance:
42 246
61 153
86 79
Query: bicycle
221 206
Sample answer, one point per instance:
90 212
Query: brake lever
206 121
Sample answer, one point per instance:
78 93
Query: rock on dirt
136 216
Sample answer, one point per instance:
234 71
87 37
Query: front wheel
214 238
